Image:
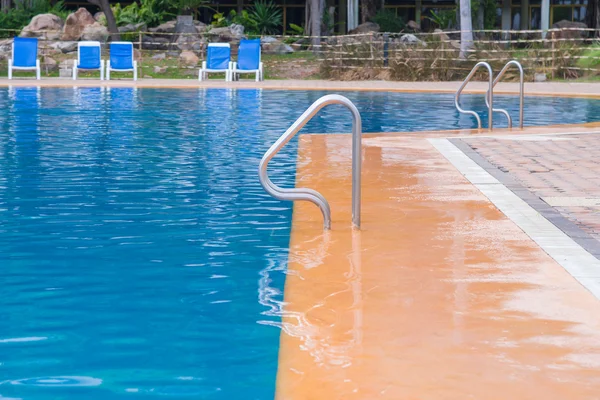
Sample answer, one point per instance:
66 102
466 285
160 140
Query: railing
490 95
521 91
311 195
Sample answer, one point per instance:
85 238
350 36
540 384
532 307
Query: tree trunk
480 15
466 28
315 24
111 23
593 16
5 5
368 9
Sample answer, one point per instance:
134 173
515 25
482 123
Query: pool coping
553 89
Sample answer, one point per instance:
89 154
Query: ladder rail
311 195
521 91
490 95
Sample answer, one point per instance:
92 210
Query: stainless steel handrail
521 91
490 104
309 194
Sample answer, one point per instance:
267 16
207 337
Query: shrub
23 11
388 21
267 17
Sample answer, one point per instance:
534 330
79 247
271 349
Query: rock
159 56
6 46
538 77
75 24
49 64
413 25
99 16
65 47
44 26
167 27
367 27
155 43
190 42
411 39
237 30
276 47
65 72
188 58
224 35
441 35
160 70
141 27
268 39
201 27
95 31
572 30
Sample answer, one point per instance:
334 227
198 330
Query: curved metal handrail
521 91
309 194
490 104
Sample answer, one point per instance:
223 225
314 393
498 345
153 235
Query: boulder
413 26
167 27
441 35
225 34
201 27
188 58
75 24
65 47
95 31
159 56
155 43
275 47
6 46
569 30
237 30
411 39
190 42
141 27
367 27
49 64
44 26
159 70
539 77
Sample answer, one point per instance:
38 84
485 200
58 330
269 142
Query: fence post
386 38
553 51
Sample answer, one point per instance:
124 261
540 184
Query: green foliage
187 6
489 12
444 19
295 30
243 19
388 21
219 20
590 57
23 11
267 17
149 12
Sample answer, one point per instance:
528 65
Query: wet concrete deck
439 296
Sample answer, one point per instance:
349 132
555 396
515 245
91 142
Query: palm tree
466 27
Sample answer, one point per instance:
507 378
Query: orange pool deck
438 296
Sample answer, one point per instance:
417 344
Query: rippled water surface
139 256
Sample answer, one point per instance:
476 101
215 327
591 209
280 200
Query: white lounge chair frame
203 73
76 62
37 69
236 72
134 70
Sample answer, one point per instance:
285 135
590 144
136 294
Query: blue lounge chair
218 59
121 59
24 56
248 60
88 58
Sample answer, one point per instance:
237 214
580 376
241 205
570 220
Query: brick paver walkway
563 170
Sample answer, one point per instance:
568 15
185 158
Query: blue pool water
139 256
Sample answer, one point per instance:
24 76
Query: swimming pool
139 256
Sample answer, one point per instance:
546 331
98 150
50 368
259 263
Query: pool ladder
489 97
312 195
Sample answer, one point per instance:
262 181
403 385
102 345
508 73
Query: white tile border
565 251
